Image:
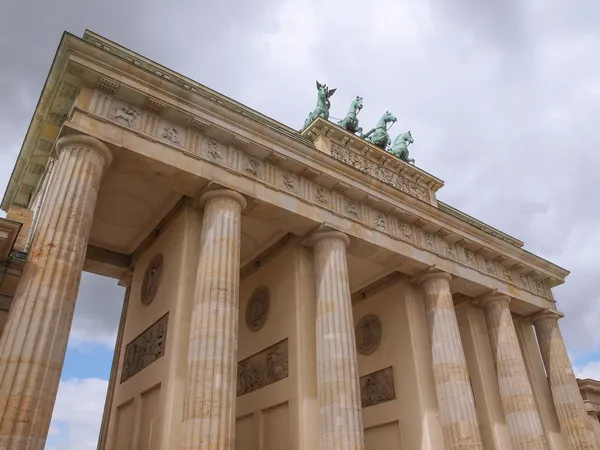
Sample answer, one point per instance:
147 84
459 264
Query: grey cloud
502 97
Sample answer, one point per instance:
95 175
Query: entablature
110 94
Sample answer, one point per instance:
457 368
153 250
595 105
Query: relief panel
263 368
377 387
145 349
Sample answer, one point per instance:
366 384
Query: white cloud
589 370
77 414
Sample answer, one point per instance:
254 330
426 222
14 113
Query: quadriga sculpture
323 104
400 147
379 135
350 122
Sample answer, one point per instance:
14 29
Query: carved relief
145 349
490 266
351 208
380 221
451 251
368 334
152 279
213 150
507 274
539 287
170 134
125 116
429 240
257 309
405 231
321 196
470 257
263 368
289 181
252 167
381 173
377 387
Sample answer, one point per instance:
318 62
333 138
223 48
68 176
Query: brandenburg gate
285 289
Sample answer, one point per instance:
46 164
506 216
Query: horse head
389 117
357 103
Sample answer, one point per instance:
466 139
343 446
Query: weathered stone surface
337 373
377 387
458 415
146 348
263 368
212 354
522 416
33 346
571 412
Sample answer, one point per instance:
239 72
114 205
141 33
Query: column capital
218 194
88 141
433 275
492 297
547 314
334 235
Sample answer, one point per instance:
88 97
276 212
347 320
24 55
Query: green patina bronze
350 122
400 147
323 104
379 135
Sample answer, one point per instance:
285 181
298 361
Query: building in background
285 289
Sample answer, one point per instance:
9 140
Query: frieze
263 368
377 387
145 349
381 173
241 164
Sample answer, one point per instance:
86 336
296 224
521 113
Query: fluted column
209 412
33 346
340 415
523 420
458 415
571 412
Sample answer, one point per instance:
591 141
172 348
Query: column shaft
570 409
33 346
521 413
340 413
209 412
458 415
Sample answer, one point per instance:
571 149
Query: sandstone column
340 415
209 412
571 412
33 346
458 415
523 420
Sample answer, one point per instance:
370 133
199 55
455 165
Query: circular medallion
152 279
257 308
368 334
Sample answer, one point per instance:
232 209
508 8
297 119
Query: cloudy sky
502 97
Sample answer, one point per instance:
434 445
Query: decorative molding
198 125
108 86
74 69
145 349
68 91
263 368
239 142
275 159
155 106
36 169
383 174
377 387
310 174
375 217
44 146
